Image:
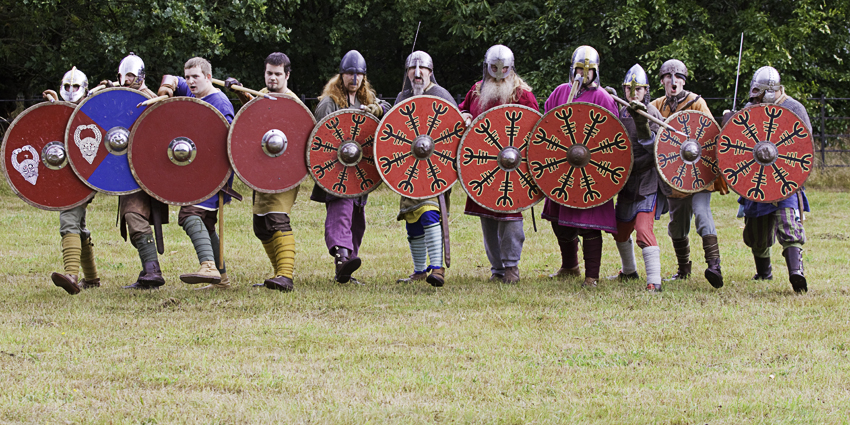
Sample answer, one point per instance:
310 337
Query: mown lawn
542 351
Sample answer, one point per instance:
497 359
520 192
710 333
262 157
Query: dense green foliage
806 40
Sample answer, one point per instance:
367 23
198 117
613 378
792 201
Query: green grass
543 351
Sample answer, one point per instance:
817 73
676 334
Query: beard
418 88
498 92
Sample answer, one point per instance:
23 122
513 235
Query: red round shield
416 146
267 141
341 153
580 155
97 139
178 151
492 165
34 160
765 153
688 164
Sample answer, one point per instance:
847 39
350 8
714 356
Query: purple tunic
221 102
601 217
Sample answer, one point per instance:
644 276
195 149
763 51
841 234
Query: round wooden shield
580 155
34 160
178 151
492 165
341 153
688 164
416 146
97 139
267 141
765 153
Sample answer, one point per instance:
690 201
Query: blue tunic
221 102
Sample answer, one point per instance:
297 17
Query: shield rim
68 128
6 171
808 174
230 134
669 120
316 127
135 127
460 149
377 132
631 155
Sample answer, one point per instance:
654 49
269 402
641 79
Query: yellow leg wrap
71 248
87 259
281 251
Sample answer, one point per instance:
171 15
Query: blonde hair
519 86
199 62
335 89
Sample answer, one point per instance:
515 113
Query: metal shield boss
35 162
97 139
178 151
267 141
580 155
765 153
688 164
416 146
492 165
341 153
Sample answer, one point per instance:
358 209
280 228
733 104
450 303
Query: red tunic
470 105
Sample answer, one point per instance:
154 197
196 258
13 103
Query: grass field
542 351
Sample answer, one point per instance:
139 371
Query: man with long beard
570 223
422 216
345 222
683 206
503 232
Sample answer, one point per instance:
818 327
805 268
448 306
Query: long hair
519 86
335 89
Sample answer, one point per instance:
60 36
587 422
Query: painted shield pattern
688 164
492 165
178 151
341 153
267 141
416 146
97 139
34 160
765 153
580 155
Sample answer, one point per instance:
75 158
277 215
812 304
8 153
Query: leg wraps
592 250
146 246
709 245
568 243
71 247
434 242
627 256
652 261
194 227
214 243
87 257
419 252
281 251
682 248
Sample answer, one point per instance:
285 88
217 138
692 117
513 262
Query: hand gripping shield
34 160
580 155
688 164
341 153
492 165
267 141
178 151
416 146
765 153
97 139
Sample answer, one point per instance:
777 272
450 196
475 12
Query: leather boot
281 251
280 283
712 258
88 284
564 273
589 282
437 277
68 282
764 271
794 259
345 264
511 275
223 283
416 276
149 278
625 277
682 248
207 273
